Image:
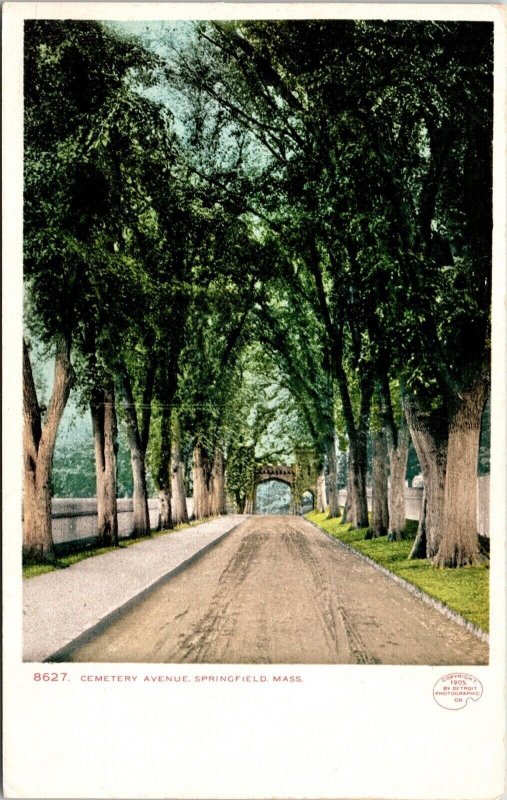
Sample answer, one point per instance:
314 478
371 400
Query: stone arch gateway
283 474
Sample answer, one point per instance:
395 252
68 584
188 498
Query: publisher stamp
453 691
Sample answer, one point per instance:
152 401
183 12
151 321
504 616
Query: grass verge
464 590
63 561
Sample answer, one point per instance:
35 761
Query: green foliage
241 473
74 464
76 76
262 412
306 467
370 154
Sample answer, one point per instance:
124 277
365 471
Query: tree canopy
268 236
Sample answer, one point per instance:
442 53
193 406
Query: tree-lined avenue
262 243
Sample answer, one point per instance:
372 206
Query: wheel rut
323 596
278 591
219 621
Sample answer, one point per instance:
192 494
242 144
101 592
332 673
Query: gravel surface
277 590
60 606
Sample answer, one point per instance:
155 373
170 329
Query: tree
38 447
120 205
66 85
380 517
250 86
218 326
398 444
266 425
179 509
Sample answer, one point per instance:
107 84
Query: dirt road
277 590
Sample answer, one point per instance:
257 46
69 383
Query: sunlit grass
465 590
61 562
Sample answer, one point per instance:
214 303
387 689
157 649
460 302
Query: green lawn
464 590
61 562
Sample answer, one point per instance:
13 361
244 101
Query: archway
307 501
268 500
273 496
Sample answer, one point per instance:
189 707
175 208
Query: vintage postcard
254 402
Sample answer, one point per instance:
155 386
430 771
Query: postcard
254 448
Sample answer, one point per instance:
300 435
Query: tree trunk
142 525
419 547
380 513
200 471
179 500
321 504
163 471
239 502
398 468
165 521
347 508
459 542
358 504
429 436
434 480
38 449
217 495
334 505
137 461
105 432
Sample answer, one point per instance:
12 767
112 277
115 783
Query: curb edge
63 653
410 587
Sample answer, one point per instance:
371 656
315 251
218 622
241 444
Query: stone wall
75 519
483 504
413 500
